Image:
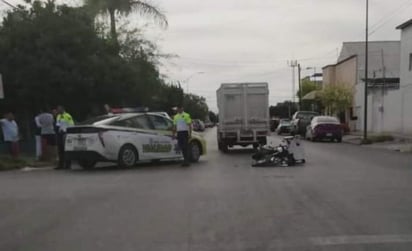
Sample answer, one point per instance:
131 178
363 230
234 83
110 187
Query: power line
389 17
9 4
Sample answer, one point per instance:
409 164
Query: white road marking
359 239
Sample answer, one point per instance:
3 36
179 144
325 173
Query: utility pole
314 75
293 64
382 109
300 87
289 110
365 124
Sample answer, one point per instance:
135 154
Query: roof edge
373 41
341 62
404 25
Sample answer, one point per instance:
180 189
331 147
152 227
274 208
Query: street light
189 78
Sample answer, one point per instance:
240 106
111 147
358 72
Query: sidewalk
401 143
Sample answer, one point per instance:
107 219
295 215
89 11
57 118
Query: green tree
124 7
213 117
53 54
196 106
168 96
283 110
336 98
307 87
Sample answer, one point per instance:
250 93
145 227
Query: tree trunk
113 30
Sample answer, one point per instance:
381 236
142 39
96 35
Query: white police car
127 139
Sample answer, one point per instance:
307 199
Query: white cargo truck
243 114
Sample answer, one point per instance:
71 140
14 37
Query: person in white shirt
45 121
10 134
38 138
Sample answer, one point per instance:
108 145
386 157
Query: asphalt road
345 198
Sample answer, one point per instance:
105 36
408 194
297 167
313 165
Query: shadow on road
281 166
240 151
148 166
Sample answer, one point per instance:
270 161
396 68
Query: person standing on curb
183 129
48 136
37 135
11 134
63 121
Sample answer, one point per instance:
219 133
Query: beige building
343 73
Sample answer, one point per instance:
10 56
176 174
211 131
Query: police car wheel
194 152
87 164
127 156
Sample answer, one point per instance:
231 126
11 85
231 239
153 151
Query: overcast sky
252 40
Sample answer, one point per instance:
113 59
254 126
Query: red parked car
324 127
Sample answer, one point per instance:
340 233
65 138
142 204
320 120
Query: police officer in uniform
183 128
63 121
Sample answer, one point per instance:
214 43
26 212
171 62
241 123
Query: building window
410 62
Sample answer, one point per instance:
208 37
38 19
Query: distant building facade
383 77
406 78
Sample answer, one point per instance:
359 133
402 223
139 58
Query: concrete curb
31 169
353 140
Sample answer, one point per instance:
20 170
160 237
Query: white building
406 78
384 66
389 78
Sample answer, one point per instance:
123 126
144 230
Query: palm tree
125 7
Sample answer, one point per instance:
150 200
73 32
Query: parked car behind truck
243 114
324 127
284 126
300 122
198 125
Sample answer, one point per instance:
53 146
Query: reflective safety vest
182 121
63 121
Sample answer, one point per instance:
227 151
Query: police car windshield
100 120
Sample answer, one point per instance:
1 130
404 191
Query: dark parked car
324 127
284 126
198 125
274 123
209 124
301 120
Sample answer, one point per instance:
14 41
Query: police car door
167 145
145 138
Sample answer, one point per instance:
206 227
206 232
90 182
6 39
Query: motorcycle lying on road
289 153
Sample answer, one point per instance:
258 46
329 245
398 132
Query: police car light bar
129 110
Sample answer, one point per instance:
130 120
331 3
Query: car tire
127 156
195 152
87 164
